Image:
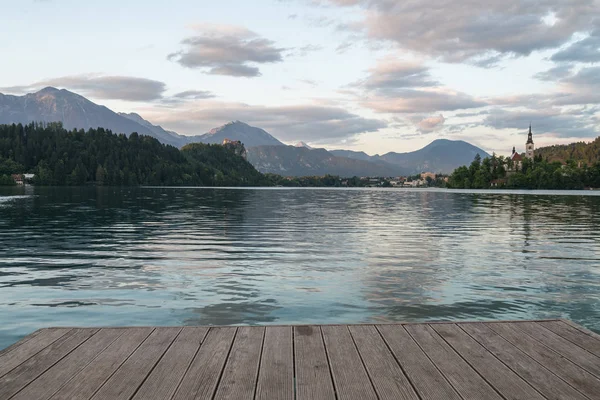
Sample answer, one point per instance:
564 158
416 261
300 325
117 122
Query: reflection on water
173 256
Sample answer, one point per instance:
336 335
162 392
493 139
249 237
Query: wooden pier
553 359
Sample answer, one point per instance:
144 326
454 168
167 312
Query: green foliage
538 174
7 180
98 157
586 153
217 165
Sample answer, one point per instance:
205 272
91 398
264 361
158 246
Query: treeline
99 157
532 174
315 181
588 153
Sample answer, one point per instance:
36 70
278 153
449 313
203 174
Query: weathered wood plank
165 378
537 376
94 375
25 373
574 375
383 369
20 354
425 377
580 328
562 346
507 382
276 372
200 380
132 373
54 378
241 371
20 342
581 339
463 378
349 375
313 378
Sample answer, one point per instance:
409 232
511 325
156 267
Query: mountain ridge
76 112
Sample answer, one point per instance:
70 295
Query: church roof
516 157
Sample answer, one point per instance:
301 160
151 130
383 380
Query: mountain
236 130
164 136
74 111
77 112
441 156
357 155
300 161
302 144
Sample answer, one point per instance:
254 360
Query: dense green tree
60 157
533 174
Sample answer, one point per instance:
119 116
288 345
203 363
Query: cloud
400 87
227 50
194 95
555 73
585 51
101 87
422 101
310 122
309 48
553 122
390 74
430 124
458 32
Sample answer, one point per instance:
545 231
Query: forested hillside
588 153
61 157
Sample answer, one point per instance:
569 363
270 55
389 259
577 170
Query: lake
198 256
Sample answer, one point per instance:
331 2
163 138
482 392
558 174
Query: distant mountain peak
48 89
238 130
302 144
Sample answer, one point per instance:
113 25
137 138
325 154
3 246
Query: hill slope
300 161
441 155
588 153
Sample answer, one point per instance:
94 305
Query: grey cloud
227 51
394 86
194 94
103 87
585 51
313 122
422 101
309 48
586 77
459 32
549 121
344 47
555 73
390 75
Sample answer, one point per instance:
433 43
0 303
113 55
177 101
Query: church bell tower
529 145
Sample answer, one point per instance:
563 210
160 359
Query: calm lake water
191 256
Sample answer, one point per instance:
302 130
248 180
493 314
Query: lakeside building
517 159
426 175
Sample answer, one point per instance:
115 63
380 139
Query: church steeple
529 145
530 136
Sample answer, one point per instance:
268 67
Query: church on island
517 159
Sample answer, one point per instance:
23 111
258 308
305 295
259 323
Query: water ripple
173 256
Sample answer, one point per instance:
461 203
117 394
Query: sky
365 75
